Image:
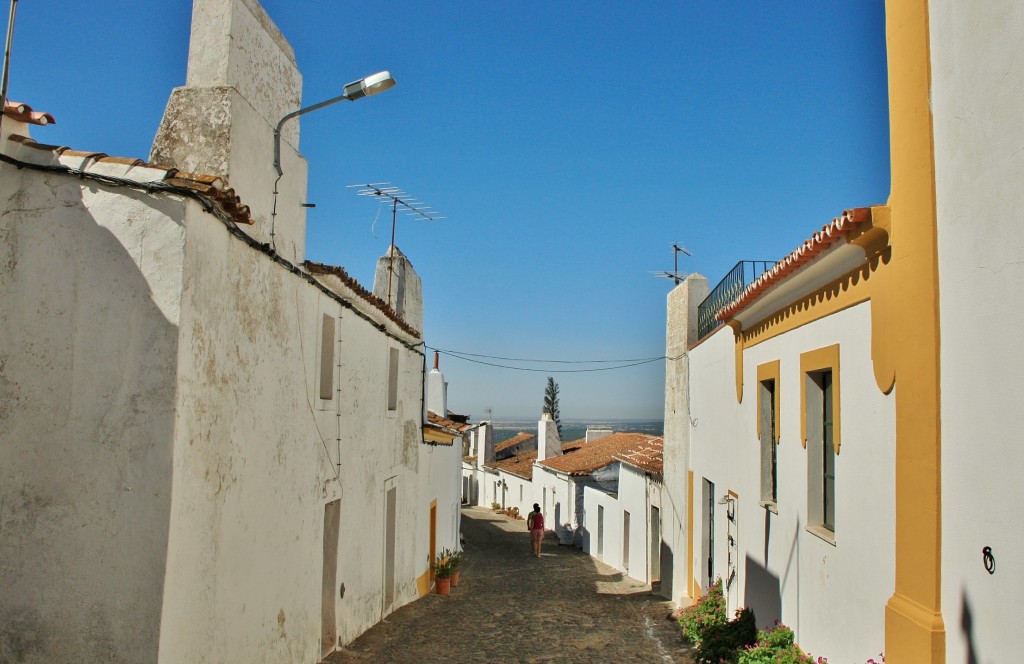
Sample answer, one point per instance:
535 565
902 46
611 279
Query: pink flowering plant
775 645
709 611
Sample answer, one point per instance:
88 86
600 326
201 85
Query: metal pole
391 250
7 60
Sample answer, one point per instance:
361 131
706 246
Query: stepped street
512 607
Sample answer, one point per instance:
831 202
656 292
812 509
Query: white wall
256 460
977 101
559 507
90 286
635 498
680 333
611 553
781 567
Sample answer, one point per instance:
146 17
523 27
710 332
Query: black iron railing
726 292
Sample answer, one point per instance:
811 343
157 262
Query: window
393 379
768 431
820 398
327 358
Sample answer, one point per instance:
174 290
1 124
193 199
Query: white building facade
219 449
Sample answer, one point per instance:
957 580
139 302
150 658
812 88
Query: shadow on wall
762 592
86 458
666 570
967 625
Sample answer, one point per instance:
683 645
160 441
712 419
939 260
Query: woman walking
535 524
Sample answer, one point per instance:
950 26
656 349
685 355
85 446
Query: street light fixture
364 87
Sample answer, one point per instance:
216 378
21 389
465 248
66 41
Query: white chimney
548 442
436 390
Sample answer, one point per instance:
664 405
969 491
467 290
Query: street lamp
364 87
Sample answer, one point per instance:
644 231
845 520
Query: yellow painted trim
423 583
770 371
848 291
822 359
908 329
435 436
739 346
694 589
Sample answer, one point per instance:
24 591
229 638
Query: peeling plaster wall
256 454
977 100
680 332
90 281
242 79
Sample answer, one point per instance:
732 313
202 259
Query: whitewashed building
212 450
839 450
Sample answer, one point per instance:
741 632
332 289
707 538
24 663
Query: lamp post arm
295 114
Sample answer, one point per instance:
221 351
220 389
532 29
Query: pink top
536 521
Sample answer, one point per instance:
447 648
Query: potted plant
443 568
457 558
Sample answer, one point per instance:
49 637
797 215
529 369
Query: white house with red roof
840 435
214 450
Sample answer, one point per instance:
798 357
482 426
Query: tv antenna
675 274
387 193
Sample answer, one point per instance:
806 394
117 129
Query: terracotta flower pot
455 578
443 586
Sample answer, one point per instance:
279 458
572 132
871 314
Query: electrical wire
522 359
467 357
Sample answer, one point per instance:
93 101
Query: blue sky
568 143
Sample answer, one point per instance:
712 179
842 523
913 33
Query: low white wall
610 550
634 498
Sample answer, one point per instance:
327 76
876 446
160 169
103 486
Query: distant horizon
577 420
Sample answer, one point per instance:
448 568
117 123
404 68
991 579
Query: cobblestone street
512 607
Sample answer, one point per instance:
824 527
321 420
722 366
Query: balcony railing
727 290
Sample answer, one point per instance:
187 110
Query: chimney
397 283
486 442
436 391
548 443
242 79
597 433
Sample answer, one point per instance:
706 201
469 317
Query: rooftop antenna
675 274
387 193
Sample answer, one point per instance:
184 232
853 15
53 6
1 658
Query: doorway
328 621
390 509
708 528
655 545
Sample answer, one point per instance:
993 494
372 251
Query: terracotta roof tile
520 465
573 445
647 456
518 439
599 453
24 113
451 425
340 273
839 229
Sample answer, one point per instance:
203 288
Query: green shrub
707 612
775 646
723 643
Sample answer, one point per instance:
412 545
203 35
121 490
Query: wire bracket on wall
387 194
